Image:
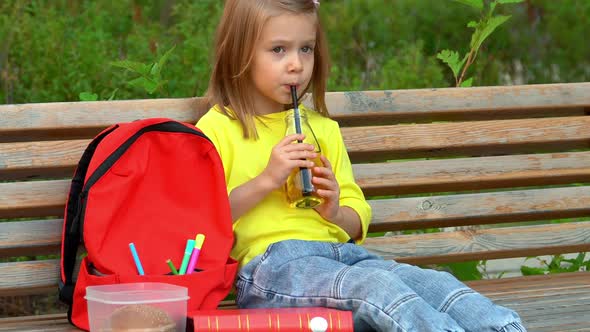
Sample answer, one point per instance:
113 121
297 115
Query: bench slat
566 313
35 237
477 209
557 302
49 322
15 277
503 288
420 176
47 198
44 236
26 160
33 199
59 158
428 249
484 99
474 138
84 119
493 243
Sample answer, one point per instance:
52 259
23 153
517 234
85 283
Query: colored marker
136 259
172 267
196 251
188 250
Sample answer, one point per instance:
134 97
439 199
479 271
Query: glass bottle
299 189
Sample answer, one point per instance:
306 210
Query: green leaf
467 83
155 71
578 260
527 270
483 31
472 24
477 4
134 66
465 270
113 94
147 84
451 58
164 59
492 7
88 96
556 261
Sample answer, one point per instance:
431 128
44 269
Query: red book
314 319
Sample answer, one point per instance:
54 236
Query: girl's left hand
326 187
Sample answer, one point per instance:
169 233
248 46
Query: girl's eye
307 49
278 49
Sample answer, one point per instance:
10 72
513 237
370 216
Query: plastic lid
141 292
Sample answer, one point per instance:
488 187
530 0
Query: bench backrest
425 158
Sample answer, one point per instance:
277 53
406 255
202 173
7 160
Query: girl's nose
295 63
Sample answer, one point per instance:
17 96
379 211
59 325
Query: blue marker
136 259
188 250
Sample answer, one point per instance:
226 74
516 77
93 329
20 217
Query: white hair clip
316 3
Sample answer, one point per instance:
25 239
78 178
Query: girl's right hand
285 157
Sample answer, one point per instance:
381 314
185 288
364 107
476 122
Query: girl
308 257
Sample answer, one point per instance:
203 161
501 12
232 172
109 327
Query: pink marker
195 256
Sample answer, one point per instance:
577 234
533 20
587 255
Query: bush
54 50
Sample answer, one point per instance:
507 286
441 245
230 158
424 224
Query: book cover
314 319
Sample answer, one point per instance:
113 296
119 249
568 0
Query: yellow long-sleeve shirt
272 220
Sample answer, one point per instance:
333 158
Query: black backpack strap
72 236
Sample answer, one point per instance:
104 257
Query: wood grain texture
415 249
33 199
555 302
79 117
35 237
50 322
482 99
84 119
30 160
428 176
44 236
15 278
477 209
45 159
467 139
47 198
477 244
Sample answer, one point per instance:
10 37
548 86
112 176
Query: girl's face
283 56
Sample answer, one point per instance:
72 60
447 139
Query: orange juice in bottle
299 189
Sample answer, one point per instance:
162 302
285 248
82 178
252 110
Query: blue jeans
383 295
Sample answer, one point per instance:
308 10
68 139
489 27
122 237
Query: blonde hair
237 34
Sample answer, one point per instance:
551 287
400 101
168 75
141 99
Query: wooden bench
463 156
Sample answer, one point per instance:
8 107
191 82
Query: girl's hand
327 187
286 156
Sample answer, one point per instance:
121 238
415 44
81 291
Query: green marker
188 250
172 267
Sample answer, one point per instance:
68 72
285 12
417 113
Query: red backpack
155 183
